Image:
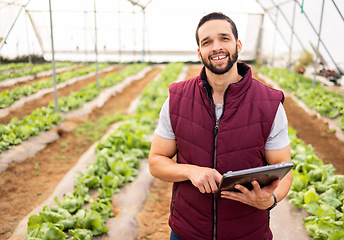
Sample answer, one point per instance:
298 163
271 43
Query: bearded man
222 120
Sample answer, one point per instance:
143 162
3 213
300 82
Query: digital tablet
263 175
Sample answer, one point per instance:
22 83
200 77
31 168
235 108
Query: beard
229 64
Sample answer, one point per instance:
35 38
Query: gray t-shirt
278 138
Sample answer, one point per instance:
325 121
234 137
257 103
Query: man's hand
260 198
205 179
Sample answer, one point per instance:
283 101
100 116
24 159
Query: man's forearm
283 188
168 170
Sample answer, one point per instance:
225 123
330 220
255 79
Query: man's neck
219 83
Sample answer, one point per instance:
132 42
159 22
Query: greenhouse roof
163 30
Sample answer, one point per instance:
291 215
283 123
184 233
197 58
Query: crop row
116 162
8 97
32 70
44 118
318 190
326 103
14 66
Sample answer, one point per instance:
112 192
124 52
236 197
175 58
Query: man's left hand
260 198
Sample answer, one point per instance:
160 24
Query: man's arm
162 166
261 198
279 156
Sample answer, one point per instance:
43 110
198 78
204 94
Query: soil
27 184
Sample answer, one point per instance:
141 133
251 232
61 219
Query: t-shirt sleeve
164 128
278 138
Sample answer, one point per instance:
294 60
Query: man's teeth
219 58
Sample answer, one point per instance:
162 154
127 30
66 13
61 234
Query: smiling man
222 120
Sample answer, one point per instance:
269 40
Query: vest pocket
173 198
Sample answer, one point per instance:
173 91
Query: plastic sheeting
161 31
164 30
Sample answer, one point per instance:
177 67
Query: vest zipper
214 164
216 129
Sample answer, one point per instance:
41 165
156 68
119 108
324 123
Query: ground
25 185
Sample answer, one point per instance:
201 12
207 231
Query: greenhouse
121 119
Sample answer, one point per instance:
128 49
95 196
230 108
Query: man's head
216 16
218 44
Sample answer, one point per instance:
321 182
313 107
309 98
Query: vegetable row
318 190
14 66
326 103
44 118
8 97
28 70
116 163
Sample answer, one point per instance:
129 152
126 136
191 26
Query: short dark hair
217 16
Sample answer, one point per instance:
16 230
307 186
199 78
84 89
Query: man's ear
199 54
239 45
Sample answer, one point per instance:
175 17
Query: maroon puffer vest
249 111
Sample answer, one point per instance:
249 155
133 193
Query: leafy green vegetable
70 202
116 162
46 231
318 190
92 220
80 234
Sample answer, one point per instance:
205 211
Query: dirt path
310 129
315 131
157 205
46 99
27 184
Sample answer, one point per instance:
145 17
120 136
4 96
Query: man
223 120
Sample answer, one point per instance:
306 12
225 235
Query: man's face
218 48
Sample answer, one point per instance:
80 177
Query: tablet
263 175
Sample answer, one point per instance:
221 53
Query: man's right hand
163 167
205 179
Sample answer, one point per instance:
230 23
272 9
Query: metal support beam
275 37
36 32
53 58
319 39
119 38
291 36
28 39
260 34
8 33
96 43
290 25
275 23
143 27
327 51
144 36
338 10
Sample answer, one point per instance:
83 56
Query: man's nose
217 46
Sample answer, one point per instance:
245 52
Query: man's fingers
213 185
241 188
256 186
271 188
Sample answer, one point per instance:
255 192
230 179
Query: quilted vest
237 143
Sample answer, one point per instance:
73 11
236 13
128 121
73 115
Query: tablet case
264 175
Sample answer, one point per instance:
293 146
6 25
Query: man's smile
218 57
